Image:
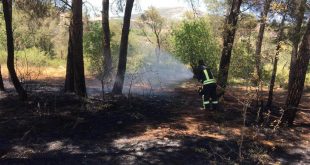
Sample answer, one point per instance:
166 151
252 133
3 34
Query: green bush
32 57
93 47
193 40
242 61
92 43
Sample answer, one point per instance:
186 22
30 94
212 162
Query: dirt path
170 129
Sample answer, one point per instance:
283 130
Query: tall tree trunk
300 71
121 69
229 36
69 82
77 48
295 41
106 40
275 62
273 76
7 11
264 15
75 77
1 81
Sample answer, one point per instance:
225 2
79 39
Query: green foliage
42 40
217 7
2 31
93 46
34 8
31 31
242 61
32 57
153 19
93 39
248 23
152 24
193 40
92 43
136 52
34 37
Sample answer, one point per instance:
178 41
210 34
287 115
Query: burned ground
52 128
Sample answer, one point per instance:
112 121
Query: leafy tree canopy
193 40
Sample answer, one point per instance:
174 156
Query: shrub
193 40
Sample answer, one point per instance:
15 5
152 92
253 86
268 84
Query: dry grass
40 73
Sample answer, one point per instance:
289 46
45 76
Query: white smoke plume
151 77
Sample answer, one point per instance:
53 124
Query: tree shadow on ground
26 128
52 128
172 150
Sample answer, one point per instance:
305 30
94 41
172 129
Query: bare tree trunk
106 40
121 69
264 15
275 62
75 77
1 81
229 36
77 48
69 82
7 11
300 71
194 9
273 76
158 48
295 41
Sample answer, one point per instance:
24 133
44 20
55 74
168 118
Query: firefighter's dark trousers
209 96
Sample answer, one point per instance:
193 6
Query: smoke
156 75
148 75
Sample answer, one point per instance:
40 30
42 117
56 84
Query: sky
144 4
162 3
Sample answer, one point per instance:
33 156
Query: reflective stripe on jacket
209 78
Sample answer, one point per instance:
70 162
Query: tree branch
66 3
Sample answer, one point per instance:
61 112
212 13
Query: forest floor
53 128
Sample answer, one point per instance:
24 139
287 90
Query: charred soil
56 128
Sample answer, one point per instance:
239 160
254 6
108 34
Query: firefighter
208 90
